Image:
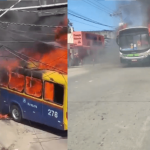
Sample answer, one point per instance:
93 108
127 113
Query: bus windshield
134 41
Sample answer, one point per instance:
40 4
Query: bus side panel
53 117
19 100
4 103
33 110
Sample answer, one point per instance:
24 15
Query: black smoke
135 13
28 18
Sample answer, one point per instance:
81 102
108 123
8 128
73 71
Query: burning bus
86 44
33 81
36 95
134 44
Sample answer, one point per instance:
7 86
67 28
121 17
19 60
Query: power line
105 6
83 23
90 20
16 41
19 55
32 32
102 6
35 7
77 14
44 12
9 8
96 6
35 40
32 25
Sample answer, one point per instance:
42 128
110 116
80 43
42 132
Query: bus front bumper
135 59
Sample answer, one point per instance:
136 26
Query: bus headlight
148 51
120 54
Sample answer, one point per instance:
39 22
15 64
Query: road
109 105
30 136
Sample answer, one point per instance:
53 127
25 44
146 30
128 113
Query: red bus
87 44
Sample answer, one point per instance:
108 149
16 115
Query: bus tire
15 113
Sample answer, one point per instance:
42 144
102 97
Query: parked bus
86 45
134 44
36 95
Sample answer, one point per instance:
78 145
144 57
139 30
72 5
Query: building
108 35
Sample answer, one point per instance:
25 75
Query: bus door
32 102
53 115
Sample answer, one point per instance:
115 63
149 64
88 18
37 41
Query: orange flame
49 91
19 79
34 87
3 116
54 58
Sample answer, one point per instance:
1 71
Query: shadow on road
41 127
45 128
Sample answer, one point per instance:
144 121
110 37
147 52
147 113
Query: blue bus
36 95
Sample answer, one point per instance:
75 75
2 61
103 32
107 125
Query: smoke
135 13
27 18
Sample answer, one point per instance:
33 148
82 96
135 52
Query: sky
100 13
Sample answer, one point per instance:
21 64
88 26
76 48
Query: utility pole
119 13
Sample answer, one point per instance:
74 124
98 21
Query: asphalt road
109 105
30 136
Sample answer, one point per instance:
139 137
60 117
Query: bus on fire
36 95
134 44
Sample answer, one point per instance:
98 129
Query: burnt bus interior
30 82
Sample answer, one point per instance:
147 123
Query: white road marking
90 80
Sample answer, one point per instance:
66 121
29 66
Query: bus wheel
16 113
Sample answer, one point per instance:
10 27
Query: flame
15 77
48 58
3 116
49 91
34 87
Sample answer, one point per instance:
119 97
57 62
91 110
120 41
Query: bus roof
46 75
55 77
140 27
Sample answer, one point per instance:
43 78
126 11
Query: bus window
90 37
17 82
58 94
33 87
49 91
4 77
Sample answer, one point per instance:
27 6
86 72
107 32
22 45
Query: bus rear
134 44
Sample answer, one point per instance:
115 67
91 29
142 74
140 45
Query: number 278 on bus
52 113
